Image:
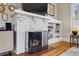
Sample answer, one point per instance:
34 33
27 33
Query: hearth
37 41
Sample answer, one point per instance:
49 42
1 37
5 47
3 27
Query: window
76 14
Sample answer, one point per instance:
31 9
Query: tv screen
38 8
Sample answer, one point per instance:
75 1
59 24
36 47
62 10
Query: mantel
30 14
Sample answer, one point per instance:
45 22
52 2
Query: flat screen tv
38 8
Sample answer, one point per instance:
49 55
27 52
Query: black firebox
35 42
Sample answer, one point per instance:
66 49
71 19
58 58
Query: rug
74 51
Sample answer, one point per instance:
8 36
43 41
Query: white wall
63 14
17 6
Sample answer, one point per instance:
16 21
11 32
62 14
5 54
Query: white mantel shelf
30 14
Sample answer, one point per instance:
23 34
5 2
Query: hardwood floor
54 50
60 47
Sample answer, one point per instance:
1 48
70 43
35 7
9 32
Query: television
38 8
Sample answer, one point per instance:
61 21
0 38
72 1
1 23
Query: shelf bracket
33 20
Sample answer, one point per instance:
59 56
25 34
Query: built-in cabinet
54 31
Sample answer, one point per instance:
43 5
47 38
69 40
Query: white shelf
54 38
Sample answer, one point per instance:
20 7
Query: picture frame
51 9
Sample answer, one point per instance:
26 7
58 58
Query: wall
64 14
17 6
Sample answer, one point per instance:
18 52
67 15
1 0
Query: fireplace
36 41
29 24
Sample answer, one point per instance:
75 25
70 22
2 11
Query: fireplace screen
35 41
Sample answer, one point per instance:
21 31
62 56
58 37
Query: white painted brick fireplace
25 22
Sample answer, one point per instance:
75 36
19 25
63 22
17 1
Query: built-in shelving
54 28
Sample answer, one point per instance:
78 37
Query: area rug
74 51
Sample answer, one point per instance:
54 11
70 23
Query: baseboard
66 39
54 40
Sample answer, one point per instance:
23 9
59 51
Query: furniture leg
10 53
77 42
70 40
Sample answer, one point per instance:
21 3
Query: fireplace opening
35 41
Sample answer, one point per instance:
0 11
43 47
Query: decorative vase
74 32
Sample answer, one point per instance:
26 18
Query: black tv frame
40 12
